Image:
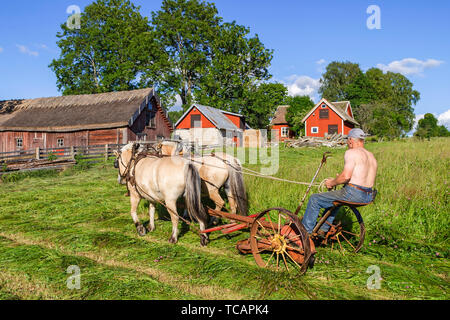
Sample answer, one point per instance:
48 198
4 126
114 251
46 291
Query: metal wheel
347 232
279 241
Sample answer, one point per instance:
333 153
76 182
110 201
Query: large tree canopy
186 50
337 77
205 60
237 64
108 53
184 30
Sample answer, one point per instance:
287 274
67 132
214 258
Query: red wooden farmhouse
328 118
212 125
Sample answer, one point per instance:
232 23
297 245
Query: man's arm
346 174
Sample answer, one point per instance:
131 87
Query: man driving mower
358 177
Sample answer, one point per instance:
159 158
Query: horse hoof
173 240
204 241
141 230
149 229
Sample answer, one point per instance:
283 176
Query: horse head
124 158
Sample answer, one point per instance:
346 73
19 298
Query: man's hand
330 183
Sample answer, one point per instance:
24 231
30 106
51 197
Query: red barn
211 125
82 120
328 118
280 124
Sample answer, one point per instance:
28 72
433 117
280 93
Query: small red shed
329 118
280 124
215 124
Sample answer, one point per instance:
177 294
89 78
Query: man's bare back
363 165
360 166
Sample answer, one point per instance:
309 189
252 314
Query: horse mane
130 147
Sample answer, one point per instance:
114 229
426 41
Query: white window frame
60 142
284 131
19 145
314 129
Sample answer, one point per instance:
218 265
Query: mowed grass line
84 214
48 278
199 292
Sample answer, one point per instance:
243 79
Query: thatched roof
280 115
77 112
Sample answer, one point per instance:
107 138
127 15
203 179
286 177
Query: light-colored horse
216 170
161 180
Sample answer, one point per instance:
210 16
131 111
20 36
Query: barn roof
216 116
340 107
76 112
280 115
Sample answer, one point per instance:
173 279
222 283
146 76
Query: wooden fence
70 153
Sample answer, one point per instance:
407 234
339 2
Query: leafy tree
262 102
443 131
108 53
237 64
299 106
175 115
379 119
184 30
360 91
337 77
428 127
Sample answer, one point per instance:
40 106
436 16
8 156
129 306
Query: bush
52 157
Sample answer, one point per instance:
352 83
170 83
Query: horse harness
136 157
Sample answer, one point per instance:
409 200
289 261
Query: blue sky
305 36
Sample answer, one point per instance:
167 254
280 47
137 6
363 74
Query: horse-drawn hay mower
278 240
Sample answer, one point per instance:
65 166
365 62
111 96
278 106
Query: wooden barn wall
44 140
161 128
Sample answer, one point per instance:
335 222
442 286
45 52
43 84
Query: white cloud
444 119
410 66
321 61
25 50
1 49
303 86
321 64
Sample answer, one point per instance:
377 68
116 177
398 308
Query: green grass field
51 221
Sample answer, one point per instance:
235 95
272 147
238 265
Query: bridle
135 158
126 174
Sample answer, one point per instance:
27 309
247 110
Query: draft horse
161 180
216 170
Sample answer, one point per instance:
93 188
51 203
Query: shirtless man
359 173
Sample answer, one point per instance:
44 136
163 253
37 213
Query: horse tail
237 187
192 195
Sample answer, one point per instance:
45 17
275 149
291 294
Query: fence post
38 153
106 152
72 152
